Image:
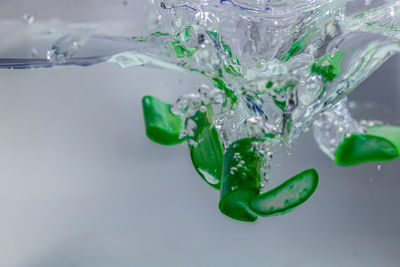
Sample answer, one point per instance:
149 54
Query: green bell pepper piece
207 155
240 180
381 143
391 133
162 126
287 196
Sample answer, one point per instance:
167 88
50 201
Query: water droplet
193 143
203 109
125 2
190 127
201 38
65 47
50 55
29 18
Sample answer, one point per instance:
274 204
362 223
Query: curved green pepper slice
287 196
239 167
381 143
391 133
240 180
162 126
207 154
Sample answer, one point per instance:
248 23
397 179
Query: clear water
370 50
273 67
270 67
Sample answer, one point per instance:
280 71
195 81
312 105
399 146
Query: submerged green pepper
287 196
236 173
381 143
162 126
391 133
207 153
240 187
240 180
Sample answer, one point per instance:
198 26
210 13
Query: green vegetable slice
162 126
240 180
391 133
328 66
207 154
287 196
382 143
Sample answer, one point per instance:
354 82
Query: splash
272 69
282 66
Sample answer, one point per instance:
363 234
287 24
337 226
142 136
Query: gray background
81 185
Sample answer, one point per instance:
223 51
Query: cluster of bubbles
265 53
262 36
274 68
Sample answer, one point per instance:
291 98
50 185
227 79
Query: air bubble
29 18
193 143
203 109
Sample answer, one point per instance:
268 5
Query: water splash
274 68
65 48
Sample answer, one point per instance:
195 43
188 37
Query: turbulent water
272 68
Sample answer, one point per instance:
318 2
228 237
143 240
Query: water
333 126
280 65
351 211
270 68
